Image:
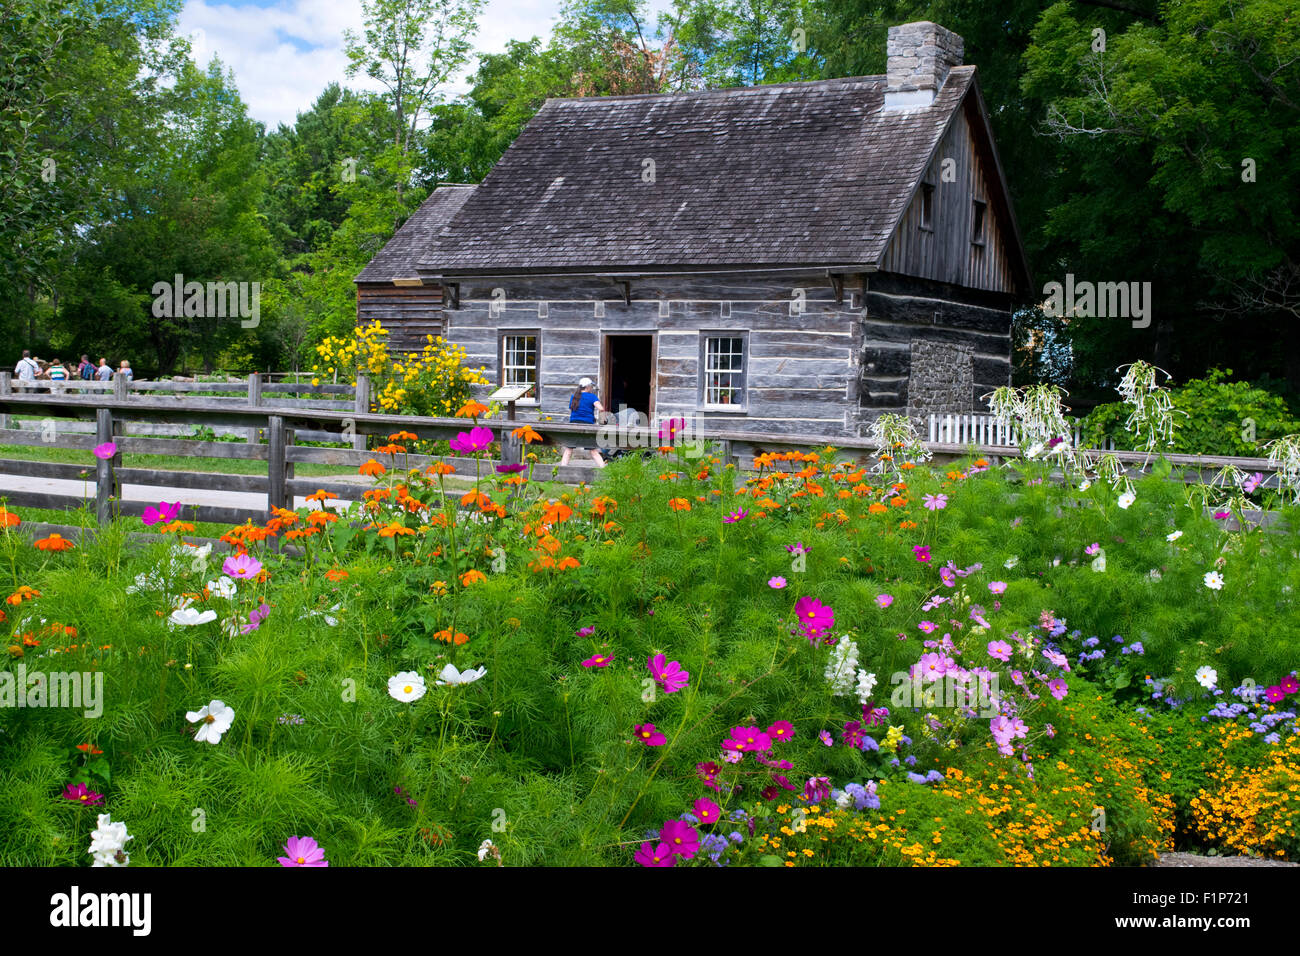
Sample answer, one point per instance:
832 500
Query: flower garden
817 662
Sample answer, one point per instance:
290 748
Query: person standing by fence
85 371
584 407
105 371
126 370
26 368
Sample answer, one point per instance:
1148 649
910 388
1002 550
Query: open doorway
629 374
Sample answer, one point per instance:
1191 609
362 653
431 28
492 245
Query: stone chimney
920 56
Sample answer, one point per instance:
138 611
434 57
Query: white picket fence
981 430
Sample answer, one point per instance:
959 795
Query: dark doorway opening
630 373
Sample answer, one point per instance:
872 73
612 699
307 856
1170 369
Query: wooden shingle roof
398 258
790 175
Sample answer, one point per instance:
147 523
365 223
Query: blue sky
284 52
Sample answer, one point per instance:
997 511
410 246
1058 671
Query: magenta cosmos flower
922 552
748 740
647 734
1058 688
598 660
781 730
825 737
106 450
163 514
817 789
654 854
80 793
302 851
681 838
884 600
813 616
1274 694
1289 685
476 439
670 675
735 516
707 810
585 631
241 566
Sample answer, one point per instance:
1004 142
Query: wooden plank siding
409 313
944 251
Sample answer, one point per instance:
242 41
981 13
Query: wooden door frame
606 366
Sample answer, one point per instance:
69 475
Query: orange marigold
372 469
472 576
679 504
55 542
471 409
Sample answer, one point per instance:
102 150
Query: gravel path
1192 859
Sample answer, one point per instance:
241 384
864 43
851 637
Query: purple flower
511 469
826 738
163 514
884 600
652 854
935 502
1220 515
1000 650
476 439
681 838
1092 548
735 516
669 676
817 789
255 618
106 450
303 851
1058 688
585 631
948 575
1253 482
80 793
922 552
797 548
998 587
813 616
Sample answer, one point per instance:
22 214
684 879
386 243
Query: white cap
585 382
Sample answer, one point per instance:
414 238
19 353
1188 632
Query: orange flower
377 494
336 574
679 504
440 468
321 495
55 542
550 543
372 468
567 563
557 513
176 526
24 593
877 507
471 409
391 449
907 465
403 436
472 576
321 518
897 502
906 525
8 519
89 749
390 530
527 434
447 637
603 504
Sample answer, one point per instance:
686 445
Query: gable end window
978 218
724 363
927 206
520 359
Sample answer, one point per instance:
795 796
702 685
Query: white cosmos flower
148 581
450 675
222 587
1126 499
1173 536
189 616
1154 574
1034 450
1085 485
214 720
1214 580
1207 677
406 686
1011 562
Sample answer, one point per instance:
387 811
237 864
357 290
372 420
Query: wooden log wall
409 313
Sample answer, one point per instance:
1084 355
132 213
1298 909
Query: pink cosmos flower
241 566
708 773
748 740
1092 548
1000 649
933 666
998 587
598 660
706 810
735 516
302 851
1289 685
826 738
1058 688
106 450
164 514
647 734
1058 659
652 854
476 439
817 789
871 716
927 626
255 618
681 838
782 730
1220 515
1274 694
884 600
935 502
813 616
922 552
732 756
669 676
80 793
776 583
584 632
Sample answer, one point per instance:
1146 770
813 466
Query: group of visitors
31 369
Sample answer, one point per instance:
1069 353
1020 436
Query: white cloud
284 52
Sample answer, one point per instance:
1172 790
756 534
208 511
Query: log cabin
791 259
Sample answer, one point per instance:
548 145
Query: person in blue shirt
584 409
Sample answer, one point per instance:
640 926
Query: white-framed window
521 359
724 361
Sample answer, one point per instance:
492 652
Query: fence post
6 388
121 388
107 487
254 398
361 406
275 463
